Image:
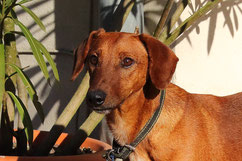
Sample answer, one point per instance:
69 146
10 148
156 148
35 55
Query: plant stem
3 8
76 101
2 77
163 18
128 4
64 118
173 19
10 53
71 146
189 21
6 135
91 122
10 58
2 89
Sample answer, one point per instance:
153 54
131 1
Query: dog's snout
96 98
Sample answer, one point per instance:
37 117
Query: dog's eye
127 62
93 59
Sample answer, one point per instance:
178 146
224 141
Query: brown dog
127 72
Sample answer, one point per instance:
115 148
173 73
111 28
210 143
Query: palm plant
14 84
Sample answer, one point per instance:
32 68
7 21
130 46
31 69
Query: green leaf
24 116
49 59
2 75
33 15
24 1
190 21
28 84
13 14
16 32
36 51
9 2
31 91
46 54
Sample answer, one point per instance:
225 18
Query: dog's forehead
121 42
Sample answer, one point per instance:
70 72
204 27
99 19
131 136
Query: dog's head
120 64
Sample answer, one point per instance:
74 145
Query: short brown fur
191 127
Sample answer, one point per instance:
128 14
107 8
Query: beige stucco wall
67 23
210 53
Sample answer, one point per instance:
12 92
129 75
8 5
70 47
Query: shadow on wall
230 10
43 17
72 25
56 96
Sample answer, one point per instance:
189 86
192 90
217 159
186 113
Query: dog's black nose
96 98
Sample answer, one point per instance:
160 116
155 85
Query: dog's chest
136 157
119 130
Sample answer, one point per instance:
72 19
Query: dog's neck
129 118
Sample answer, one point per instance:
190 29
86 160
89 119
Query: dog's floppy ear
81 52
162 61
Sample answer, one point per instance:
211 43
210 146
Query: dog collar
123 152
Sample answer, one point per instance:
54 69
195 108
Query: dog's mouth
102 110
105 109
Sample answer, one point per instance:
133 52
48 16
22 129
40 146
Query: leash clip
118 152
109 156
